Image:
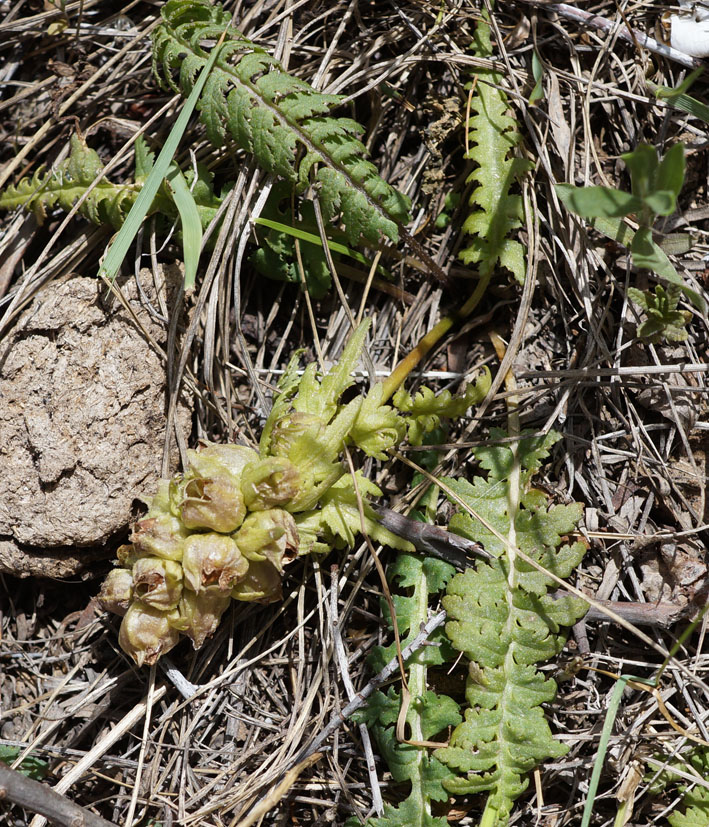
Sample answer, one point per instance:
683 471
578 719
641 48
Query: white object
690 35
699 10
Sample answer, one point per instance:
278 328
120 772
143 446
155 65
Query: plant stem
412 359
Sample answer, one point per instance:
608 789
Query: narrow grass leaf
669 92
538 73
191 224
311 238
124 238
691 105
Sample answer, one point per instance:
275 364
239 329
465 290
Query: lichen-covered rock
82 419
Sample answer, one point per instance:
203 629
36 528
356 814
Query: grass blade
124 238
191 224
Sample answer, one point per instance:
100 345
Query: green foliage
280 119
655 186
66 183
108 203
194 201
494 138
695 799
663 318
412 574
308 425
30 766
538 74
503 620
425 409
678 97
417 580
276 258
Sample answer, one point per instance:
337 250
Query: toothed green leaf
281 120
144 159
341 517
426 409
63 186
694 799
419 573
107 203
503 620
529 452
408 814
493 136
428 714
378 426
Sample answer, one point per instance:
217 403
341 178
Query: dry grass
634 448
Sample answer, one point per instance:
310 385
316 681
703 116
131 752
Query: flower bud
209 494
159 536
117 591
268 535
215 458
296 426
157 583
146 633
211 502
200 613
212 560
270 482
262 584
127 555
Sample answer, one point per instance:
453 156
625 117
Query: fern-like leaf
493 136
428 714
695 799
425 410
63 186
504 621
280 119
107 203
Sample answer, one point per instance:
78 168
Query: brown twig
432 539
16 788
662 615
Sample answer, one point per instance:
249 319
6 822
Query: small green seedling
655 187
694 798
663 318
